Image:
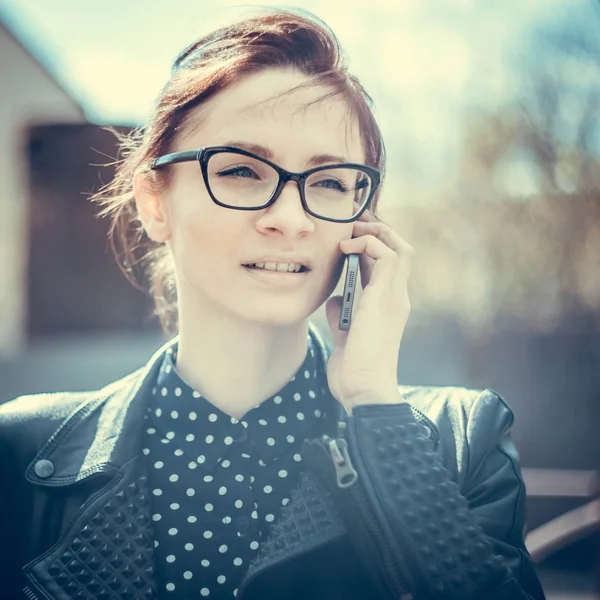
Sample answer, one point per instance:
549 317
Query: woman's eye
238 172
332 184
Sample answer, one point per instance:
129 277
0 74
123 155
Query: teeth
281 267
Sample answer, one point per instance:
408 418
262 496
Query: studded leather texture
443 548
308 519
108 553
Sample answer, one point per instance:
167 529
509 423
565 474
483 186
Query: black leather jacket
419 500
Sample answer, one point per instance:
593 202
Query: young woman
243 460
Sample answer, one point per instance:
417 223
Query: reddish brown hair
274 39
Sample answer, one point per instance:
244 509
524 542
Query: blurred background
491 114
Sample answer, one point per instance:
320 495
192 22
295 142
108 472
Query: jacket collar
103 433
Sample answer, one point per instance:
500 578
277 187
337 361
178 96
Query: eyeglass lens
244 182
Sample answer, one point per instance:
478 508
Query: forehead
264 108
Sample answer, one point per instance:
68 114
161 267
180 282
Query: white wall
28 96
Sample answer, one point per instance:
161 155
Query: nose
286 214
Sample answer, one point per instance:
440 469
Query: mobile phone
349 288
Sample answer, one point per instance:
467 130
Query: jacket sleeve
441 539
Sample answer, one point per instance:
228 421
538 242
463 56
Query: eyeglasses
241 180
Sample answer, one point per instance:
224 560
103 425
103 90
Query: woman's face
211 244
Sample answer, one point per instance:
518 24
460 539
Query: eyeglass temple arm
176 157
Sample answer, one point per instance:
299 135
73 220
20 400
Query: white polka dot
262 422
192 465
226 520
277 399
159 464
204 591
239 477
164 441
168 368
208 507
150 430
201 459
228 440
192 519
174 506
306 374
205 563
261 462
158 412
282 473
225 464
267 489
155 544
244 455
235 593
237 561
157 492
170 587
254 514
222 490
187 574
156 517
270 518
251 478
297 457
212 417
164 391
189 546
174 414
281 419
300 416
221 579
285 501
208 534
210 439
146 451
169 435
223 549
244 424
312 394
178 391
178 452
190 491
193 416
195 394
290 439
254 545
207 478
271 441
190 437
173 478
239 504
317 413
170 558
173 531
297 397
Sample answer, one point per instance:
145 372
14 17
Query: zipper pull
345 472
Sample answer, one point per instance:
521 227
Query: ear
151 209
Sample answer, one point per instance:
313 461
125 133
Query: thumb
333 308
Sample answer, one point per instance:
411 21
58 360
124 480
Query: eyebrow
315 161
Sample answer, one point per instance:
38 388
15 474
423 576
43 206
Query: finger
385 233
369 245
369 217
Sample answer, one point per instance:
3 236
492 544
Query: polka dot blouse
219 484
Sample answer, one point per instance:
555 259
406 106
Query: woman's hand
362 368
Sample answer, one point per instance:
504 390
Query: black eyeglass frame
202 155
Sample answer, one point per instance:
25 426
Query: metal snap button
43 468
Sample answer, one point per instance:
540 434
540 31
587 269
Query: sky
421 60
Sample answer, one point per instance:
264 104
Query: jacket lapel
107 551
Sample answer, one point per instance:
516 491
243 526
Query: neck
237 364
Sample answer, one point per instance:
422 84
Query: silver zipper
347 476
29 593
